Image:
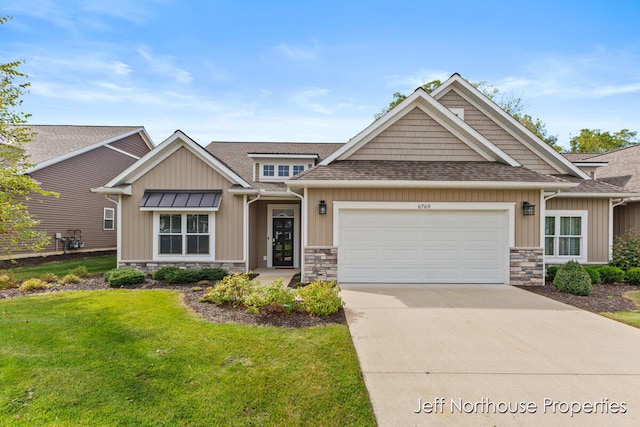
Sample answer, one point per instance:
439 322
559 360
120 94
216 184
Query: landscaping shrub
273 297
552 270
69 279
626 250
7 279
162 273
320 298
594 274
179 275
573 279
230 290
633 275
80 271
121 277
213 274
182 276
611 274
49 278
32 285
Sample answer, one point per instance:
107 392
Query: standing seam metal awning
155 200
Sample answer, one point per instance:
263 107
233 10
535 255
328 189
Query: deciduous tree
16 187
597 141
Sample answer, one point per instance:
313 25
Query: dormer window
268 170
270 167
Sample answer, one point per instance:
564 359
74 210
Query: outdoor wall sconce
528 209
322 207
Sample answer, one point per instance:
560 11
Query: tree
16 188
596 141
512 105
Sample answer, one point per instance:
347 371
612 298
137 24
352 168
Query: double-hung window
108 219
565 234
184 234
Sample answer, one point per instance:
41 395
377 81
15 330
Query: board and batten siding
416 136
181 171
133 144
320 227
77 207
494 133
626 217
597 223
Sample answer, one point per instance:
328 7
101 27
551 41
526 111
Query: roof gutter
428 184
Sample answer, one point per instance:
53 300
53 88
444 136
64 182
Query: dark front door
283 242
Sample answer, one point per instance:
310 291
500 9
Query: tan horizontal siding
625 217
597 227
320 227
494 133
416 136
133 144
182 171
77 207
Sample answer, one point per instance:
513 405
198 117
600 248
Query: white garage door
407 246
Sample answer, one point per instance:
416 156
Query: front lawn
94 264
140 358
629 317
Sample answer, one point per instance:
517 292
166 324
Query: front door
282 242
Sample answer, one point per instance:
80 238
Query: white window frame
272 166
289 163
157 256
105 218
293 169
561 259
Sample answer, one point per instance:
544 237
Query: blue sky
316 70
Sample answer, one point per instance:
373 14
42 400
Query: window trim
278 165
561 259
157 256
105 219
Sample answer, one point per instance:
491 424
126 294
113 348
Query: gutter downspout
303 228
611 206
118 228
246 228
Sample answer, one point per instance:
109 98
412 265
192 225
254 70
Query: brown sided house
445 188
71 160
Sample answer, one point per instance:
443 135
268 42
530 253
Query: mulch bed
208 311
603 298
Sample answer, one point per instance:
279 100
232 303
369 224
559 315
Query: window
184 234
297 169
565 235
283 170
108 219
268 170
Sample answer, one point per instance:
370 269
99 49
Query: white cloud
165 65
298 52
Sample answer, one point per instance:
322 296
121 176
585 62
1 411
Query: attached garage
423 243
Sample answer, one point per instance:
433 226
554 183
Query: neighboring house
445 188
621 168
70 160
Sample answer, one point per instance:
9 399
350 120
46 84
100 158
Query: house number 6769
422 206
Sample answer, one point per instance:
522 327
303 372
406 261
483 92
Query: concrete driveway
491 355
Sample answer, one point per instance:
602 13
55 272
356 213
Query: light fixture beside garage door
322 207
528 209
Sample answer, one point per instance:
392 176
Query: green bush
183 276
594 274
121 277
273 297
163 272
213 274
80 271
573 279
552 270
230 290
633 275
69 279
611 274
7 279
32 285
626 250
49 278
320 298
180 275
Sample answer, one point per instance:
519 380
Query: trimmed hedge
121 277
633 275
611 274
594 274
176 275
552 270
573 279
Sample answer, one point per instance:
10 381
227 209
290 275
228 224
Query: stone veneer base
526 266
320 263
150 267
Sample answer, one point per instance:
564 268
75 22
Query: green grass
140 358
629 317
95 264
